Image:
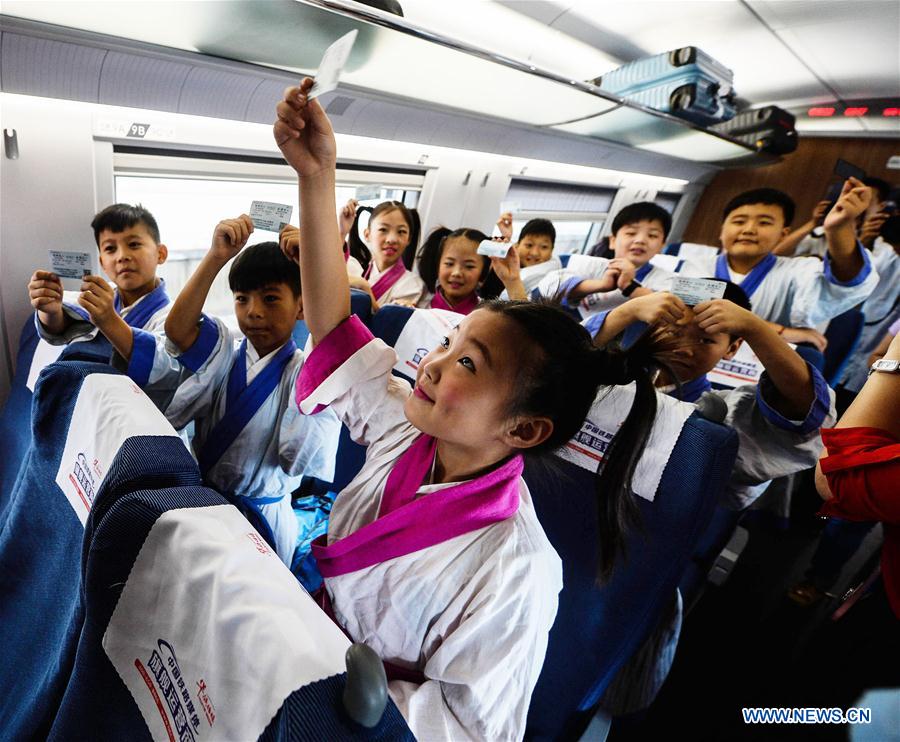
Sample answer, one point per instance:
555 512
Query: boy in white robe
638 235
791 292
130 250
251 441
777 420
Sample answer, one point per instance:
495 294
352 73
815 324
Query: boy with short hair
777 420
595 284
536 242
251 441
130 250
791 292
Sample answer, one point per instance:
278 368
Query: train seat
843 334
599 627
94 435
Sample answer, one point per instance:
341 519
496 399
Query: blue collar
146 307
692 390
242 402
753 279
643 271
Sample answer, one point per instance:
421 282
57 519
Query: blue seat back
15 418
97 703
598 628
843 334
41 539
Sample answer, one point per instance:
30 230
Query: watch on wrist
888 367
632 287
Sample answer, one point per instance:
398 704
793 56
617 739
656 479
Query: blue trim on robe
753 279
594 324
80 311
143 350
564 260
818 410
672 249
198 354
242 402
566 287
148 305
692 390
859 277
642 272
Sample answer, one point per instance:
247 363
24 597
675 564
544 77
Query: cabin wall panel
48 201
805 175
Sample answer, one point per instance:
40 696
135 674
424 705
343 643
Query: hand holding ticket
73 265
332 65
693 291
270 217
492 249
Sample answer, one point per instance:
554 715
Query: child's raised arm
229 237
306 139
840 229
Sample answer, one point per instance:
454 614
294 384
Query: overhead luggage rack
589 110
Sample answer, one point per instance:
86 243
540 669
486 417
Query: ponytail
560 375
358 248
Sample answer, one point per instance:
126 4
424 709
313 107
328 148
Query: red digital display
821 111
891 112
856 111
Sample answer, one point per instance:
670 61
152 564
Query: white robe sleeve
307 444
80 327
769 445
208 360
350 372
487 662
819 296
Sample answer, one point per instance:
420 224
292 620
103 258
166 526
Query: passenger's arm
346 218
655 308
509 271
46 293
229 237
840 230
788 372
306 139
789 244
99 300
882 348
878 403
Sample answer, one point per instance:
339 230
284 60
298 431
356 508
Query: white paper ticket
270 216
368 192
693 291
492 249
73 265
332 65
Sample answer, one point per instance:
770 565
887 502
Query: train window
668 201
578 212
189 197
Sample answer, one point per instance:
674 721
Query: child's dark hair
119 217
261 265
433 249
560 372
640 212
538 228
359 249
767 196
881 186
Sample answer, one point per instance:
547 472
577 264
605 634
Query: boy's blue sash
145 309
242 402
642 272
753 279
692 390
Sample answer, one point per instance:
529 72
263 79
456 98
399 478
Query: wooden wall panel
805 175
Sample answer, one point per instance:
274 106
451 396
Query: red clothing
863 472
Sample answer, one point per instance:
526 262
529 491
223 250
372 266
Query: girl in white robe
434 555
391 230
